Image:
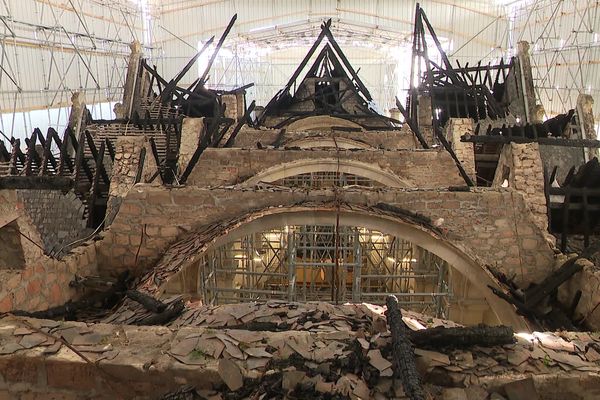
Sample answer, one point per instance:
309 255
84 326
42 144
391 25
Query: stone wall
146 362
41 282
521 165
58 217
11 251
128 150
248 137
423 168
455 128
495 225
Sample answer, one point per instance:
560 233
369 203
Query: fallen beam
481 335
403 352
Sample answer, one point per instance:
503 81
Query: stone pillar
128 151
585 114
78 113
192 130
131 81
519 86
395 113
455 128
424 118
234 105
520 166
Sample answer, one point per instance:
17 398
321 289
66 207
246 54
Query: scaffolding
326 179
319 263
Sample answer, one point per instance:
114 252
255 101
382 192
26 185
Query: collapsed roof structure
220 230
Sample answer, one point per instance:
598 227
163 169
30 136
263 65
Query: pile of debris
322 351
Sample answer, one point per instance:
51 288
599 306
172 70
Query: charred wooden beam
592 143
15 156
95 155
449 149
94 190
403 352
536 294
63 159
239 125
170 313
80 162
204 76
149 302
43 182
32 155
480 335
412 124
140 168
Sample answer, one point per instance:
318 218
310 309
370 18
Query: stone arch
361 169
326 141
320 123
424 237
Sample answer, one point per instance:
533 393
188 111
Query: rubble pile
291 350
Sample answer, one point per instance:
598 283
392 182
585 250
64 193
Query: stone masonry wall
43 282
423 168
248 137
522 166
124 172
455 128
58 216
496 225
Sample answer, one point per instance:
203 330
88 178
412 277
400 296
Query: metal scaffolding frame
565 46
320 263
49 50
326 179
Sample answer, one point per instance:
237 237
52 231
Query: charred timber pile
538 303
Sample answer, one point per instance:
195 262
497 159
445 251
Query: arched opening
318 173
312 142
321 123
258 260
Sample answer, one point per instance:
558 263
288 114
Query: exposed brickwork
58 216
42 282
496 225
455 128
424 169
521 165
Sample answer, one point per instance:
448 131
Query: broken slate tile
22 331
89 339
53 348
377 360
230 374
35 339
521 390
256 363
184 347
258 352
10 348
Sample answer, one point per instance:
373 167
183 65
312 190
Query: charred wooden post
403 352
